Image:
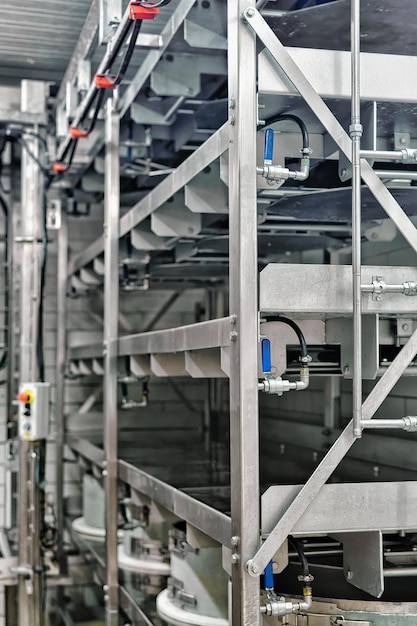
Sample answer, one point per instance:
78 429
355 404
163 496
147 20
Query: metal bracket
53 214
8 570
378 282
178 594
178 543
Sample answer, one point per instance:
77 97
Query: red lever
105 81
138 12
77 133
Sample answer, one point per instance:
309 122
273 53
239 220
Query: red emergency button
25 396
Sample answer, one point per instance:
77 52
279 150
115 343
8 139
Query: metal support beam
111 309
29 254
243 278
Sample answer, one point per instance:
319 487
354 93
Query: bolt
250 12
234 541
405 326
235 559
343 172
233 318
232 120
403 140
104 473
346 370
232 103
349 574
376 471
105 588
233 336
253 569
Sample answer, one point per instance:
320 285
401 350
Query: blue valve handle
269 576
266 356
268 146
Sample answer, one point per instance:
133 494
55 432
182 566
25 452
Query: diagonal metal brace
332 459
279 53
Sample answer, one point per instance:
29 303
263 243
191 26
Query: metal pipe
355 131
405 155
408 423
392 174
399 572
408 288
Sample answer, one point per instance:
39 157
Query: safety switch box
33 401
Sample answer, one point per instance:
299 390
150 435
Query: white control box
33 401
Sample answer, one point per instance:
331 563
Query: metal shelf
196 162
198 350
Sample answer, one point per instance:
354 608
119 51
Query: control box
33 401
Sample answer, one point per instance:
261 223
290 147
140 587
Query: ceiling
38 38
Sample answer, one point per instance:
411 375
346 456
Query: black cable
287 116
39 345
99 103
32 156
5 209
115 52
73 145
129 51
294 326
298 546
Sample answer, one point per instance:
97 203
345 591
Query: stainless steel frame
298 509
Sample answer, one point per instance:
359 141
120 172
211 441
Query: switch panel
33 401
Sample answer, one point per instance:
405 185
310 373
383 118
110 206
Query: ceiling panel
38 38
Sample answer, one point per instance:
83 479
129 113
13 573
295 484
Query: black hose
294 118
294 326
298 546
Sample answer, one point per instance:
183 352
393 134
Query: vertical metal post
111 310
243 279
355 131
30 583
62 280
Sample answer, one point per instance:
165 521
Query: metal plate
335 205
386 27
269 244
